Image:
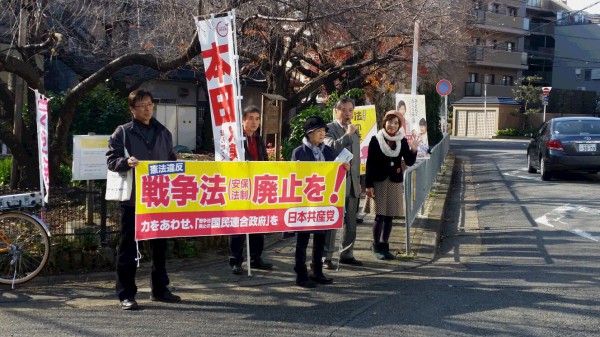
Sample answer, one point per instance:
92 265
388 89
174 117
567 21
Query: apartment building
540 44
510 39
495 60
577 56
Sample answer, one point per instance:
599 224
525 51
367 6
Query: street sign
546 90
443 87
545 100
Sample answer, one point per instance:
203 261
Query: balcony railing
475 89
500 21
534 3
541 28
541 52
484 56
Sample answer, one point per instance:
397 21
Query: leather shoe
129 304
260 264
328 264
321 279
351 261
359 220
308 283
167 296
237 269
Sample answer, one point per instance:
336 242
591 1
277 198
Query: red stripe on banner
188 224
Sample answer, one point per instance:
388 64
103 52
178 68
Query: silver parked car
565 144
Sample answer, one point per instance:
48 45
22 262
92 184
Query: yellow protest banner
365 118
188 198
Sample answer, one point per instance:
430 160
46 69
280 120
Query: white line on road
555 218
518 173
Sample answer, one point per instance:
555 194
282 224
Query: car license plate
587 147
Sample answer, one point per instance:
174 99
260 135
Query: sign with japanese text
219 53
189 198
42 137
415 121
365 118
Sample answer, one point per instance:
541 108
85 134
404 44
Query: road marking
567 213
518 173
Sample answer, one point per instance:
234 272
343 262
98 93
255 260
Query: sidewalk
212 271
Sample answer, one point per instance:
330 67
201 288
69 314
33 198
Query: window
488 78
494 8
507 80
512 11
476 4
473 77
587 74
578 73
510 46
475 41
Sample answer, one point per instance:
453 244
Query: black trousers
302 239
236 247
127 266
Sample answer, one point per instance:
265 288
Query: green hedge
515 132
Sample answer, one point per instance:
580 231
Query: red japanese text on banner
42 137
183 199
219 53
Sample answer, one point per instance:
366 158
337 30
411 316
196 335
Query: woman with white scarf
384 178
313 148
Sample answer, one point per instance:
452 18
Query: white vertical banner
41 102
219 53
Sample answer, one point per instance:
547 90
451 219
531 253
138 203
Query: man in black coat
145 139
255 151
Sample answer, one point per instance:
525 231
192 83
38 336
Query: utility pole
19 93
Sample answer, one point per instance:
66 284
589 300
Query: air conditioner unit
581 88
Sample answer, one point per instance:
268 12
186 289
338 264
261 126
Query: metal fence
78 215
418 180
85 231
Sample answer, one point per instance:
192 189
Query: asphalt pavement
211 271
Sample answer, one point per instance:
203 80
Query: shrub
5 169
325 112
509 132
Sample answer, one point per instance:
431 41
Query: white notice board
89 157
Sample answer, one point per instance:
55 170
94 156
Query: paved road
500 271
521 277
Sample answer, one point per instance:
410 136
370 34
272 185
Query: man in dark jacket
255 151
145 139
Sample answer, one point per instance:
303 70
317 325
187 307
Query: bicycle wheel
26 251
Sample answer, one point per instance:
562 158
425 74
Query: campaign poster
412 107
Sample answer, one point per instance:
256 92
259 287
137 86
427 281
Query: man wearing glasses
342 134
145 139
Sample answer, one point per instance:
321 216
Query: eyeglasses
143 106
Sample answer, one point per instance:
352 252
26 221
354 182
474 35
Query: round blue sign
443 87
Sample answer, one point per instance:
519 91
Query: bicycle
24 239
